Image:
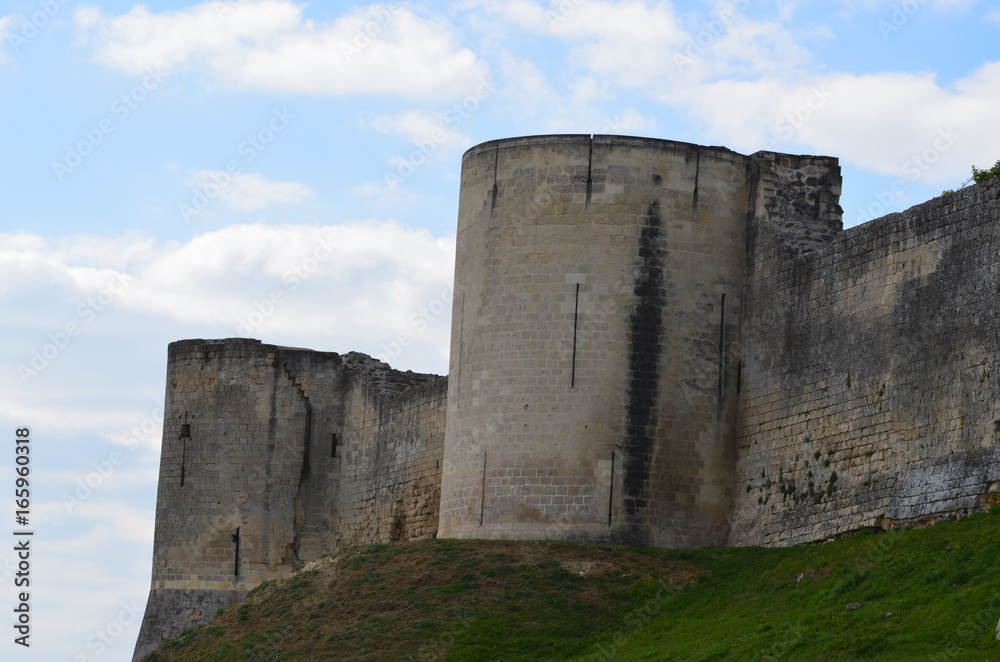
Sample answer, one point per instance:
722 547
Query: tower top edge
625 141
599 139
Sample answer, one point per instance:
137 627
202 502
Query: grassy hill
928 594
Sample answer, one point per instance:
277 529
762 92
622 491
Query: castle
653 343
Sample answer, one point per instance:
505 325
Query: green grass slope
928 594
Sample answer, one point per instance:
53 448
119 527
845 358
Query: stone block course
652 343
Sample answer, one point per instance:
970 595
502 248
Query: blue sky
170 170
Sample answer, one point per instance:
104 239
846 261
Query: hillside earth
926 594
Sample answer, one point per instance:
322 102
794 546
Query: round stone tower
594 354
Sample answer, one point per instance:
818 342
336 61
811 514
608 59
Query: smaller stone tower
245 448
273 456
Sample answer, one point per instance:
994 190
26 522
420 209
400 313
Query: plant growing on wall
980 176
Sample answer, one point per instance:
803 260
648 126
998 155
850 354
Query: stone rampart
652 343
391 457
273 456
871 385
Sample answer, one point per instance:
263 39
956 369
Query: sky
289 172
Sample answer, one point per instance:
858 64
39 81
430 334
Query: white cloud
646 45
343 287
630 121
248 191
269 45
422 129
5 29
751 84
124 522
910 7
325 274
859 118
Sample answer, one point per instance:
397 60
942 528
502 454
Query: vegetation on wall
978 176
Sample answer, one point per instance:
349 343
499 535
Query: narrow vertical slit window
458 361
482 501
694 195
576 316
493 195
184 437
333 445
739 378
722 348
307 443
590 174
236 558
611 488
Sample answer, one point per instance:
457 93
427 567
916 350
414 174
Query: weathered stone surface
870 392
652 343
273 456
594 335
171 611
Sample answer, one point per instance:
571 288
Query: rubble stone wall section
871 385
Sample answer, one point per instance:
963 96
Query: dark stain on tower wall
645 337
861 368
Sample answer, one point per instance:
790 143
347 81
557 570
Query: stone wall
597 297
390 459
271 457
652 343
871 385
